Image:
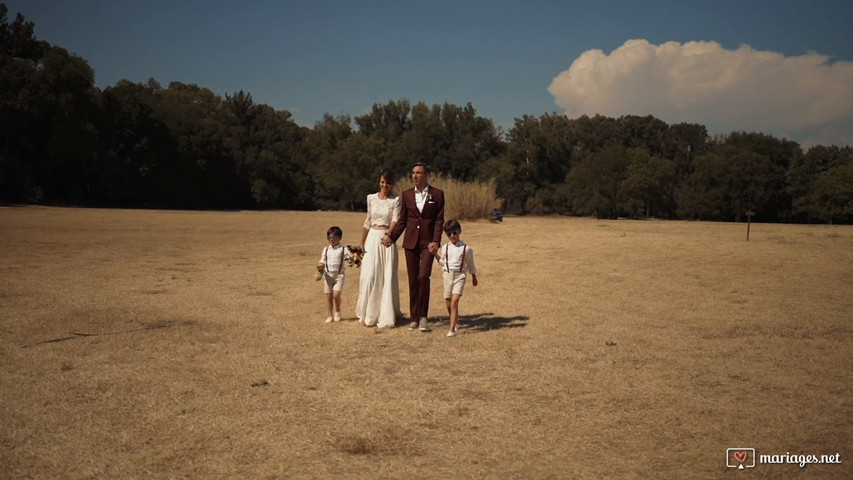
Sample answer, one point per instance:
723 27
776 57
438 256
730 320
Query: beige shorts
454 283
333 282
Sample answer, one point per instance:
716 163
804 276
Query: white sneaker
451 333
337 317
329 320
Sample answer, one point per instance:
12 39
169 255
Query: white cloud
725 90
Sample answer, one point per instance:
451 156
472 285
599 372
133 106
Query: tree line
65 141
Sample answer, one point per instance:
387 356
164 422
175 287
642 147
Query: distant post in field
749 214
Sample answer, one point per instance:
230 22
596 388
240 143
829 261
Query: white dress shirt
421 197
451 258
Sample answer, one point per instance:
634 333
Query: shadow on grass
484 322
73 335
481 322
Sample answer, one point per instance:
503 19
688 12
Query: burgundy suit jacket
421 227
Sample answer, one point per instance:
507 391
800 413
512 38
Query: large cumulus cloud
806 98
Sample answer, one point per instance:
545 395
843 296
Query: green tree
389 121
593 134
200 171
726 183
48 105
453 140
20 57
831 196
466 140
540 153
265 145
133 145
322 151
682 143
69 99
779 155
593 185
422 141
18 39
649 186
803 173
345 173
648 133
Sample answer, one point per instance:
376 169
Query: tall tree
804 172
69 99
22 135
779 155
648 133
593 134
47 114
327 148
541 152
726 183
133 147
649 186
831 196
593 185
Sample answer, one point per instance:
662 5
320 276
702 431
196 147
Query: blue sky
687 61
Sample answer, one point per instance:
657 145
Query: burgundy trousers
419 266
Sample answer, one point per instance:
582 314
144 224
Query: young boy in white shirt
457 260
332 270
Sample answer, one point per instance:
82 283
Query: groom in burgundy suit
422 219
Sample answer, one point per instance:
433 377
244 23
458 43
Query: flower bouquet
355 256
353 259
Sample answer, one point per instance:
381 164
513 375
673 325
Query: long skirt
378 288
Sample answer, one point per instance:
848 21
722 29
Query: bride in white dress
378 289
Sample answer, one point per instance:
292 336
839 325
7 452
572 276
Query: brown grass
166 344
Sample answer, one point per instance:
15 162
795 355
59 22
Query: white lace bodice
383 212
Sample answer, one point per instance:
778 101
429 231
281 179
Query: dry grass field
169 344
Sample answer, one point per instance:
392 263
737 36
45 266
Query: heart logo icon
740 456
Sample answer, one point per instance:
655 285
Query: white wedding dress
378 288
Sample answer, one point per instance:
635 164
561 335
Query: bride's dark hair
390 177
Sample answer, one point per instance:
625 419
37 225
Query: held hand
386 240
321 268
433 247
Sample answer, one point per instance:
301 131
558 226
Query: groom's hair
422 164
